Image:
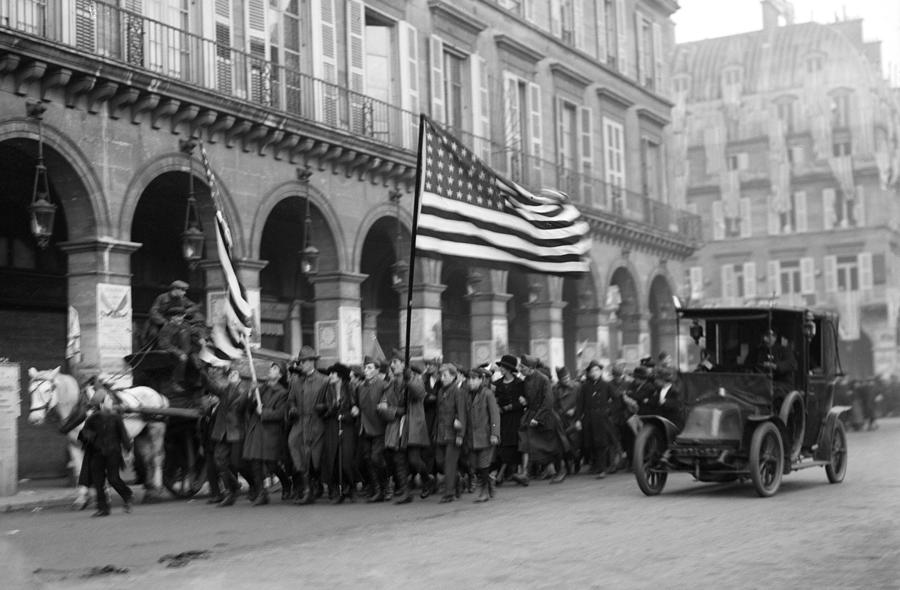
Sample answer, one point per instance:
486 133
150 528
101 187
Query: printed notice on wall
114 327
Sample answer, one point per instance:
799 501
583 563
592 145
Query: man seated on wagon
159 313
175 338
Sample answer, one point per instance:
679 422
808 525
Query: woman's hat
508 361
342 370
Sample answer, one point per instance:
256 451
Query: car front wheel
766 459
648 450
837 466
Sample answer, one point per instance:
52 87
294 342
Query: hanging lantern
309 256
42 211
192 237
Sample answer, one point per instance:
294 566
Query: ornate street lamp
400 269
42 211
309 255
192 237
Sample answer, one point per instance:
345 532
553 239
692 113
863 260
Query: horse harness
49 399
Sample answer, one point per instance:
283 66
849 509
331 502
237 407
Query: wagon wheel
766 459
837 465
184 472
648 450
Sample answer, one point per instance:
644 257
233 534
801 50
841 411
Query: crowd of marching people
376 432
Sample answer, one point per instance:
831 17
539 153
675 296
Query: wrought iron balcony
108 32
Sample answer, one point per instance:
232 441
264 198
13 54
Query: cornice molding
611 95
557 68
456 17
506 43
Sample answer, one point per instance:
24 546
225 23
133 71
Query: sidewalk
38 494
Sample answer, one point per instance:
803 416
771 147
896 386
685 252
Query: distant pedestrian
105 436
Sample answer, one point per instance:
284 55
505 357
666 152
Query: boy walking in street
482 429
105 435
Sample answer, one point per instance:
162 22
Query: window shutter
773 217
324 47
258 48
859 207
773 274
587 154
807 276
621 32
830 274
696 282
866 281
409 82
828 213
718 214
512 130
85 36
356 67
600 35
800 213
224 59
579 24
556 18
743 159
534 94
436 55
641 62
728 290
481 122
749 280
528 10
798 155
659 83
746 218
562 150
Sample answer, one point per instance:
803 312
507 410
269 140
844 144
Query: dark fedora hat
508 361
307 353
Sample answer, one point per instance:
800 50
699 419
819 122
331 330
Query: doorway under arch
456 317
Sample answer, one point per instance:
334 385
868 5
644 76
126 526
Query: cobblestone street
583 533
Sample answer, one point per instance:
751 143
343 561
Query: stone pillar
545 311
99 283
370 331
426 339
591 338
490 321
338 317
247 270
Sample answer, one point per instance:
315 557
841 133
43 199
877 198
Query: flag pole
417 195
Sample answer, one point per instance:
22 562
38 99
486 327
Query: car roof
753 312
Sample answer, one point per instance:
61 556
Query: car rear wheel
837 466
648 451
766 459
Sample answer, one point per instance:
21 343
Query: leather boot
482 486
427 487
262 499
228 500
377 495
305 494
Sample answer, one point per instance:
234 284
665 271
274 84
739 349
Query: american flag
231 334
469 210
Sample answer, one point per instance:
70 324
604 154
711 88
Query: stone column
369 331
592 338
488 301
338 317
545 311
426 338
99 283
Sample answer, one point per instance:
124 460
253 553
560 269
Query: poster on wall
114 326
350 319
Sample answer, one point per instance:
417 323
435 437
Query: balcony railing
129 37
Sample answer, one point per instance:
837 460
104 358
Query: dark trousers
447 457
396 460
371 449
261 468
229 463
415 457
103 468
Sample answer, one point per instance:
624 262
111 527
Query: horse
54 391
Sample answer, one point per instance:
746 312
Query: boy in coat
482 429
105 436
450 426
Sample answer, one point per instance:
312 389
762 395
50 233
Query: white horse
53 391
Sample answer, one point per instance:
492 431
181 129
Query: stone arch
624 313
661 308
386 209
614 267
180 162
86 209
317 200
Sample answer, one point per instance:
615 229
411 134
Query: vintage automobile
752 399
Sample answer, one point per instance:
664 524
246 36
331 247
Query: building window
739 280
841 148
614 152
454 89
785 108
567 21
847 273
790 278
740 161
568 135
840 110
523 8
651 160
523 129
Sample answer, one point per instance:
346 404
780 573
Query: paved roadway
584 533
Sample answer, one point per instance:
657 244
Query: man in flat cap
160 310
175 338
305 441
371 429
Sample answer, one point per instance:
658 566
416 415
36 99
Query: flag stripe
468 210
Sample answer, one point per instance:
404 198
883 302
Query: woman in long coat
508 390
264 441
339 411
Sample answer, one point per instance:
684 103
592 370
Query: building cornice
611 95
506 43
455 17
557 68
637 236
652 116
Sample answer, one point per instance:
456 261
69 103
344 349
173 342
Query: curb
36 504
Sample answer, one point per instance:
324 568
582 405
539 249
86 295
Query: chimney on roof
774 11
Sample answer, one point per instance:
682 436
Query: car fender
665 424
823 448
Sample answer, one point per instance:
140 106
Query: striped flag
231 332
469 210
